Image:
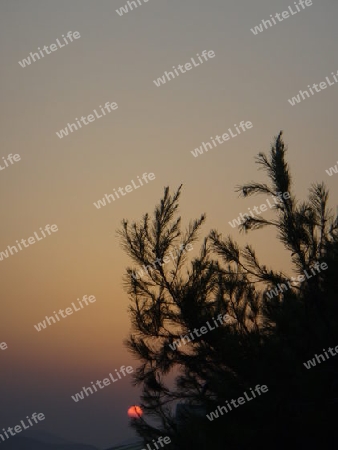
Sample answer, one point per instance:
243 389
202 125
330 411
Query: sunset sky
153 130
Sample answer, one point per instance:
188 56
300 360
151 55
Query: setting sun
135 412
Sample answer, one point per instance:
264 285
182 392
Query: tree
260 339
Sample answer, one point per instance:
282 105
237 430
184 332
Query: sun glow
135 412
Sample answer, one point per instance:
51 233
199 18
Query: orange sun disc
135 412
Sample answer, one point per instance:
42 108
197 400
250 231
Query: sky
153 130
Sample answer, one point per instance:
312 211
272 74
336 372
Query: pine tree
263 340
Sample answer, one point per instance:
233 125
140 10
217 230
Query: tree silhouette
264 340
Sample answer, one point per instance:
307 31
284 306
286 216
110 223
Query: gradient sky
153 130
